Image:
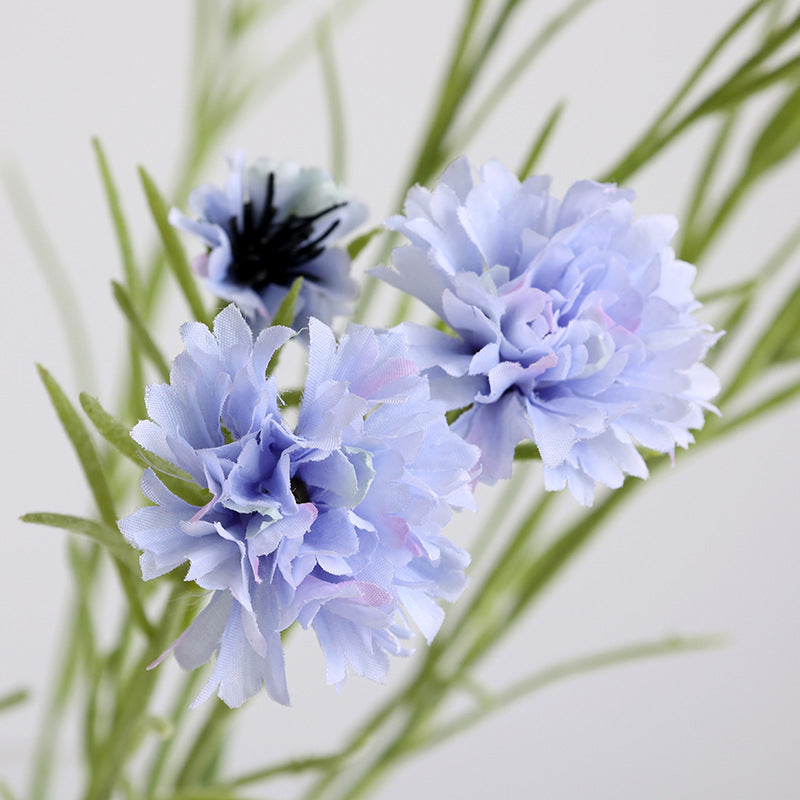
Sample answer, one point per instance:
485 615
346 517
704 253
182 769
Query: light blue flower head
275 222
572 323
334 523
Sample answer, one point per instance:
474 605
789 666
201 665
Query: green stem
490 704
205 747
692 224
653 139
76 648
180 707
133 695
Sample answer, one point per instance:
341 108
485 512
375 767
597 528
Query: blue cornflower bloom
571 323
275 222
334 522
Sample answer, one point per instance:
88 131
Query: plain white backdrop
710 546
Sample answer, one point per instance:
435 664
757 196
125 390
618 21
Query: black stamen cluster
266 250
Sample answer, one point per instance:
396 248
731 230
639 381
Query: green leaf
790 350
109 538
780 137
736 92
118 218
527 451
123 557
176 257
93 470
117 433
13 699
285 316
489 704
660 132
540 142
782 328
5 792
455 413
139 330
84 448
285 313
53 271
333 94
114 431
694 235
360 242
292 397
527 55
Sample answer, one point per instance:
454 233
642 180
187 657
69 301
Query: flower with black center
275 222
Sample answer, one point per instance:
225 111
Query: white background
710 546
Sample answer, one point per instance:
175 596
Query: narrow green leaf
13 699
735 92
53 271
84 448
285 316
293 766
780 137
117 433
789 351
109 538
775 401
527 55
203 794
454 87
693 233
93 470
540 142
207 742
333 94
782 327
118 218
246 14
527 451
360 242
746 291
285 313
5 792
657 136
454 413
292 397
734 290
729 323
490 704
114 431
777 141
139 330
176 257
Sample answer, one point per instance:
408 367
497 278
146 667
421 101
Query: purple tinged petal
572 317
323 524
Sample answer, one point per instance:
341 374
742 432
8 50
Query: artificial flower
568 322
273 223
334 522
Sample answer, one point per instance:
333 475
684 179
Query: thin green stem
515 71
491 704
133 694
531 160
333 94
692 224
293 766
203 750
54 274
653 139
179 709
